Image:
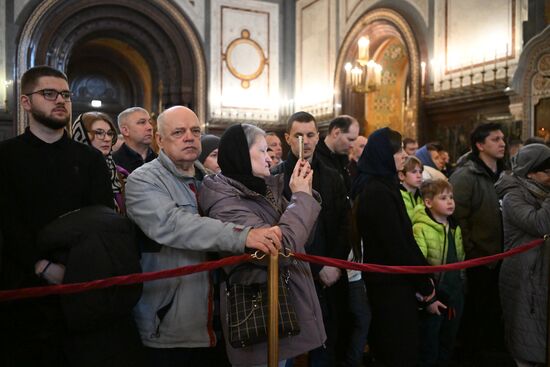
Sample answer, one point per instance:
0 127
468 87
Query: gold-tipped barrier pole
273 326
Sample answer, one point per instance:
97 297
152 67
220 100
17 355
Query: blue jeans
360 316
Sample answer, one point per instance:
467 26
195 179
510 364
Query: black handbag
247 310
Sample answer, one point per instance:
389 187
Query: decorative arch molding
158 29
405 30
531 81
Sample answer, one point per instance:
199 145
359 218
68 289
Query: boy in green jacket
440 240
411 179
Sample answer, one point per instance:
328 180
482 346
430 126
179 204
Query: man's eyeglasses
100 133
51 94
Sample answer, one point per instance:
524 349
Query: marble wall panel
315 54
470 37
244 53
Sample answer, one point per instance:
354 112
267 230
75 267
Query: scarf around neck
79 134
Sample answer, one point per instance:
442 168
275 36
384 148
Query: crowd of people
83 202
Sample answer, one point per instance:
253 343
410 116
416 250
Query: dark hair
514 141
343 122
430 188
271 133
31 76
408 141
300 116
395 141
481 132
435 145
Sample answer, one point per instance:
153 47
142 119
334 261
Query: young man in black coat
44 175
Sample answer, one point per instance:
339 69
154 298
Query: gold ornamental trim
245 40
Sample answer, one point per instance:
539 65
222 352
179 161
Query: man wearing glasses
44 175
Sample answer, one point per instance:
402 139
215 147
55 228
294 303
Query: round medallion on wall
245 58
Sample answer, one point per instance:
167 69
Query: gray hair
121 119
252 132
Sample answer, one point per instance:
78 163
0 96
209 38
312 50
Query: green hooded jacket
411 200
431 237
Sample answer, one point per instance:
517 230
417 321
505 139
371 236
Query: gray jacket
477 210
523 279
174 313
229 200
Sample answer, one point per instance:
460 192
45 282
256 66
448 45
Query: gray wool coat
228 200
523 279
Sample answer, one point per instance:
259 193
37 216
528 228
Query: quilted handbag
247 311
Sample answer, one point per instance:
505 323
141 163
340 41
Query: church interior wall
284 57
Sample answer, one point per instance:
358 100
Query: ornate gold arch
25 46
395 19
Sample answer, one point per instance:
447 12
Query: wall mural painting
386 107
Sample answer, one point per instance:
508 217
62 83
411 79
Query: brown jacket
228 200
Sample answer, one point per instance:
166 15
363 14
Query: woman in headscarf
246 193
387 235
523 283
97 129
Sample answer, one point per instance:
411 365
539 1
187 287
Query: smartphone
301 147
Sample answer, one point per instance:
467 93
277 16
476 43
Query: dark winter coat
523 279
96 243
477 209
338 162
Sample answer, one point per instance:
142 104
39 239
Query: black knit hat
209 143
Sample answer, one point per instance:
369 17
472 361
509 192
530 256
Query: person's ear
287 138
479 147
124 130
158 137
25 102
428 203
401 176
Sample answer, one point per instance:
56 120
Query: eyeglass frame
102 133
67 97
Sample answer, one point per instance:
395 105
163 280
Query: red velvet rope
375 268
14 294
119 280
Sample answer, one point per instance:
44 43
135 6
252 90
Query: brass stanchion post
273 326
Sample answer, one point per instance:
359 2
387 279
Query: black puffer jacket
95 243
